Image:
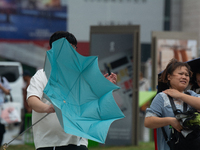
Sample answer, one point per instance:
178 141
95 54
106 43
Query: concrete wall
176 15
191 17
84 13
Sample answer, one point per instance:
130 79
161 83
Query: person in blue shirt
160 114
4 90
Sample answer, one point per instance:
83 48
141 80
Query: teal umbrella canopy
81 95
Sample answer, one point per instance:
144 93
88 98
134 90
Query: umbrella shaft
28 128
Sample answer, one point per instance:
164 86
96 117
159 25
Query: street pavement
12 130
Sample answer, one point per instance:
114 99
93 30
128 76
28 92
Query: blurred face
179 80
198 79
73 46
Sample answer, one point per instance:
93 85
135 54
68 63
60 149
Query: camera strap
176 112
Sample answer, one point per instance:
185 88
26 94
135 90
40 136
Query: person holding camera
160 115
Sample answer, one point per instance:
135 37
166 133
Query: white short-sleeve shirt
48 132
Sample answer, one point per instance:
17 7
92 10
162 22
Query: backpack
177 141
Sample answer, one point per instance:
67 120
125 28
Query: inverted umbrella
194 65
81 95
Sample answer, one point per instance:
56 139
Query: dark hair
26 73
62 34
173 65
194 81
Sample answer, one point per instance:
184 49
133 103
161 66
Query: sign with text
116 53
32 19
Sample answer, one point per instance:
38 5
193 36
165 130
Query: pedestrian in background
4 90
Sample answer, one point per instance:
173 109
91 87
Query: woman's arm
157 122
6 91
37 105
190 100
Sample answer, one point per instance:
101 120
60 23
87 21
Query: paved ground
14 130
10 132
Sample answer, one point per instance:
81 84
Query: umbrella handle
79 142
107 69
5 145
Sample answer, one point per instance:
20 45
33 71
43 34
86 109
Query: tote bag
10 113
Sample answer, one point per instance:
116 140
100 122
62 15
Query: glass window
11 73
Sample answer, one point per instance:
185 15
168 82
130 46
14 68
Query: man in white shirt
48 133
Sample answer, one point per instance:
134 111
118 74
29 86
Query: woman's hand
112 78
190 100
173 93
176 124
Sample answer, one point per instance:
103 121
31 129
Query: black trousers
2 131
1 138
68 147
